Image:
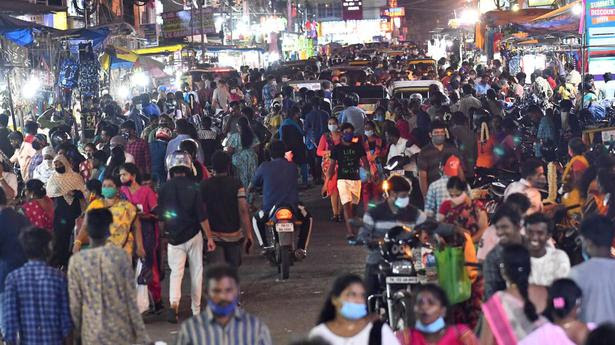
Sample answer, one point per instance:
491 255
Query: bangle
77 243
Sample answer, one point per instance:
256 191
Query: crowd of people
178 174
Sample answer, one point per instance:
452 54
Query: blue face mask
585 255
379 118
347 137
222 310
402 202
353 311
433 327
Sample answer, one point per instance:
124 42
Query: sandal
351 239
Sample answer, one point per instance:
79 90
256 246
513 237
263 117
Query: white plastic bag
142 292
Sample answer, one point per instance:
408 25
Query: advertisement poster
600 26
180 23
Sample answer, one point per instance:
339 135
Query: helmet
163 133
58 137
354 97
178 159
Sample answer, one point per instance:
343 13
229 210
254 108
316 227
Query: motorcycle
281 235
407 263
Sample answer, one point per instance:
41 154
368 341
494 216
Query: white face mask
332 128
369 133
49 162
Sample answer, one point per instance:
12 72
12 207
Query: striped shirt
242 329
380 219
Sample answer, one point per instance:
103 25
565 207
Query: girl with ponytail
563 310
512 314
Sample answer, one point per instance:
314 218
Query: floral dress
245 160
466 216
124 214
37 215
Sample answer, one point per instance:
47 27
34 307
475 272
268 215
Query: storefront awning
19 31
159 50
561 20
524 16
560 11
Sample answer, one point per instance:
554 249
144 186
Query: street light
469 16
31 87
577 10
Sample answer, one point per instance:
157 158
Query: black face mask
127 183
61 170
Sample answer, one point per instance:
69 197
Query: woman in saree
512 314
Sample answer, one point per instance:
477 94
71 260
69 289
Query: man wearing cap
437 191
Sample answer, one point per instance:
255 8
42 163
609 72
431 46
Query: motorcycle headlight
401 267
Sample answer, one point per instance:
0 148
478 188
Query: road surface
290 308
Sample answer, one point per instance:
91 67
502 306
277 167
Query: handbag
452 274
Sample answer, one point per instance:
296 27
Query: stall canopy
560 20
160 50
117 57
96 35
21 32
524 16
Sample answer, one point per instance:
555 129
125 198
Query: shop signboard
393 12
180 24
150 34
352 9
600 32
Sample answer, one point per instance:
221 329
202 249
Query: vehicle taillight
283 214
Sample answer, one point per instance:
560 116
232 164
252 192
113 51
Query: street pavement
290 308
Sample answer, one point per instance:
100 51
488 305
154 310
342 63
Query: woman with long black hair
241 145
512 314
344 318
563 311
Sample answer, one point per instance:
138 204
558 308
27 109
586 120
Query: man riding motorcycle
396 210
278 178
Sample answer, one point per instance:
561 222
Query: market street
289 308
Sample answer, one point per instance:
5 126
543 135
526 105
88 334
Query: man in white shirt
220 97
23 153
532 176
548 263
468 101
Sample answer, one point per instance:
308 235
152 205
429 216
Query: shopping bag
452 275
142 292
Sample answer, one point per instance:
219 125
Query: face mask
126 135
438 139
49 162
585 254
353 311
61 170
402 202
332 128
459 199
369 133
347 137
108 192
432 328
222 310
380 118
127 183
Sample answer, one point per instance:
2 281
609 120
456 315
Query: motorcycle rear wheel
285 262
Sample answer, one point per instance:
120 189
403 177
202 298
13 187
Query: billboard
180 24
600 25
352 9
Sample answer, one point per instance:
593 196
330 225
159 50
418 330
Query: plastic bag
452 275
142 292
